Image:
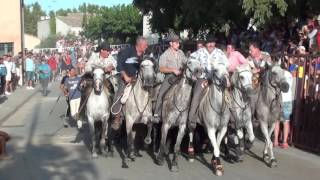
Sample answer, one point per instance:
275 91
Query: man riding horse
102 59
171 63
204 56
128 62
259 61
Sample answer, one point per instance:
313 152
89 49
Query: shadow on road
47 161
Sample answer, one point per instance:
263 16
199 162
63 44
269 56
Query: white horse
268 107
98 110
214 114
240 106
138 107
175 110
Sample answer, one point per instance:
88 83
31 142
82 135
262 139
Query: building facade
10 23
72 23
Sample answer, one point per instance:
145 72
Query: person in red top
68 59
53 66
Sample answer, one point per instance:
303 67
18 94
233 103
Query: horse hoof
94 155
273 163
219 173
191 160
147 141
137 154
174 168
159 161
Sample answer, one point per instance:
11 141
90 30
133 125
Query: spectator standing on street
65 76
53 66
44 76
72 90
287 106
9 65
30 70
3 74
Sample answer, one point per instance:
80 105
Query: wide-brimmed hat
172 37
104 46
211 38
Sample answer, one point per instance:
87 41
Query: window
6 48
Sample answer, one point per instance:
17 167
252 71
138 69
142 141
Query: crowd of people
70 59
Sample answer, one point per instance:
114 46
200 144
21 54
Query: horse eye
241 77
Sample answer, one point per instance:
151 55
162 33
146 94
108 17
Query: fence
305 126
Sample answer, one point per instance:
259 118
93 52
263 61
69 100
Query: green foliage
116 24
261 10
32 14
52 22
49 42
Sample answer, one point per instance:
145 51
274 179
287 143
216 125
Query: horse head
98 78
242 78
192 69
219 73
277 78
147 73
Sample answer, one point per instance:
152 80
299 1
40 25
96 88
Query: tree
52 22
32 15
116 24
207 14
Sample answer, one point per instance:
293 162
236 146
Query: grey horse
138 107
240 106
98 110
175 110
268 107
214 114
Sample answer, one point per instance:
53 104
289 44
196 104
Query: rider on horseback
102 59
128 61
258 61
171 63
205 56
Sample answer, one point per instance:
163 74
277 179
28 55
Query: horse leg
164 133
251 137
98 134
155 135
190 147
174 163
148 140
130 140
93 139
216 164
239 138
264 130
273 161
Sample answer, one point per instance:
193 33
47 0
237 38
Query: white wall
43 29
61 27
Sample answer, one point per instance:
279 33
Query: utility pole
22 39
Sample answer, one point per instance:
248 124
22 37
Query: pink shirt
236 59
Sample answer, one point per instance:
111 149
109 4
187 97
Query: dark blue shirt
128 61
73 86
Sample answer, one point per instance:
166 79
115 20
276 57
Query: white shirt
206 59
287 97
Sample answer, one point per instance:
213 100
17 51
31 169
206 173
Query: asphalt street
44 150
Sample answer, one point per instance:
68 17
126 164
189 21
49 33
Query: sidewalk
12 103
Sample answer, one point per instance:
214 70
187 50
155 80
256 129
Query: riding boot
198 93
165 86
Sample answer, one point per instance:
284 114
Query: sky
49 5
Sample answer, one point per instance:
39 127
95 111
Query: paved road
44 150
